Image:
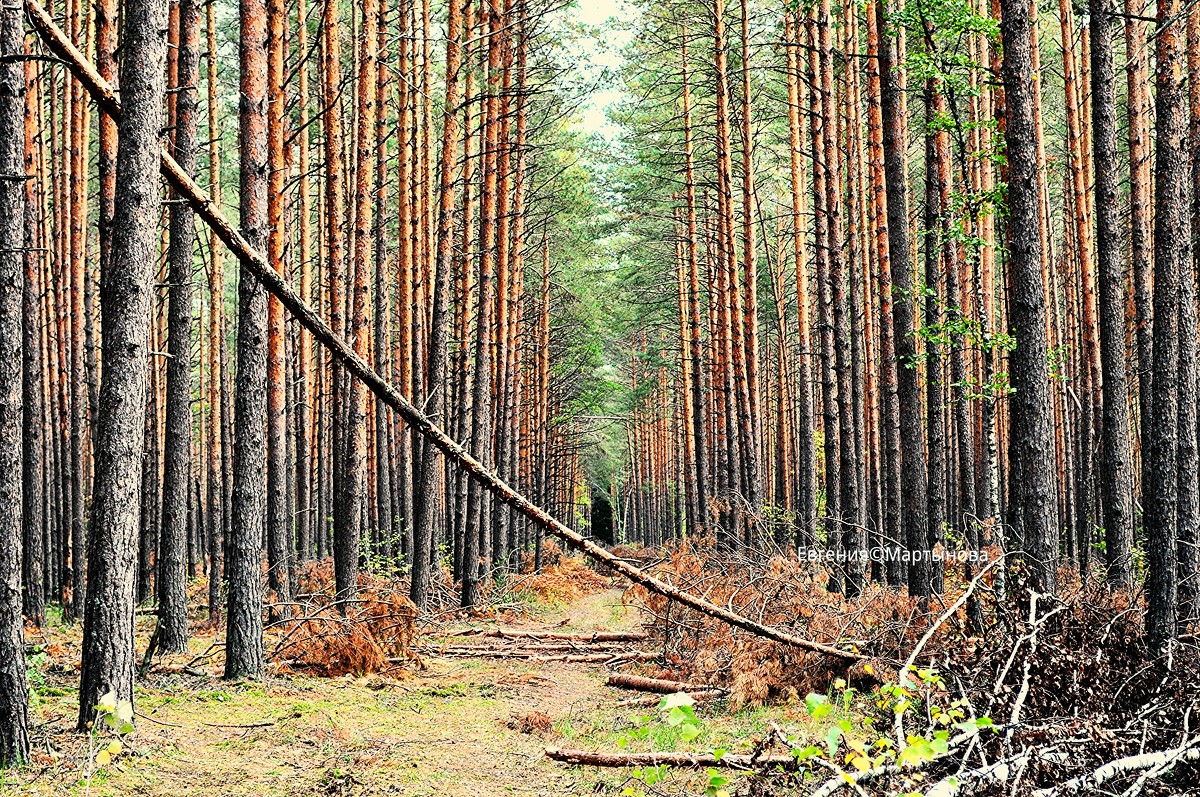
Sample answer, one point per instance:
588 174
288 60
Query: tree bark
217 485
244 640
1188 565
279 516
908 392
34 509
348 522
1116 466
430 471
14 695
1032 508
1172 264
889 402
481 423
1141 187
177 451
125 299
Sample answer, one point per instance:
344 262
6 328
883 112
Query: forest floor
449 726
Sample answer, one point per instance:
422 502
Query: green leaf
689 731
918 751
679 715
814 701
108 703
715 778
676 700
719 753
831 739
806 753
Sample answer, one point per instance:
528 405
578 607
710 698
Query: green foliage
676 724
114 721
849 746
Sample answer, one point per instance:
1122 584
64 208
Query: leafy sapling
114 721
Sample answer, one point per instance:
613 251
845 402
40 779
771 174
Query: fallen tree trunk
255 263
597 636
1093 780
653 700
657 685
552 647
694 760
603 657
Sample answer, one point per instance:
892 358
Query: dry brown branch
693 760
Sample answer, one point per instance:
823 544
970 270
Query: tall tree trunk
1172 264
306 411
476 529
1188 563
1116 466
14 694
125 299
244 637
912 440
822 150
349 521
177 451
279 516
1141 188
935 366
753 444
1032 507
430 475
383 315
217 485
335 215
35 510
806 476
889 405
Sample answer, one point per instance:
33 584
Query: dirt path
454 728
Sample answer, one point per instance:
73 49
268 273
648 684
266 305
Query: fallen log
607 657
657 685
1155 762
653 700
595 636
561 647
255 264
692 760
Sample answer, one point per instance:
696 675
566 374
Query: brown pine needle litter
324 636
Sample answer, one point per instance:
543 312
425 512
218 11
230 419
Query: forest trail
440 730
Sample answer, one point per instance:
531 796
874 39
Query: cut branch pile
881 625
320 635
1078 703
